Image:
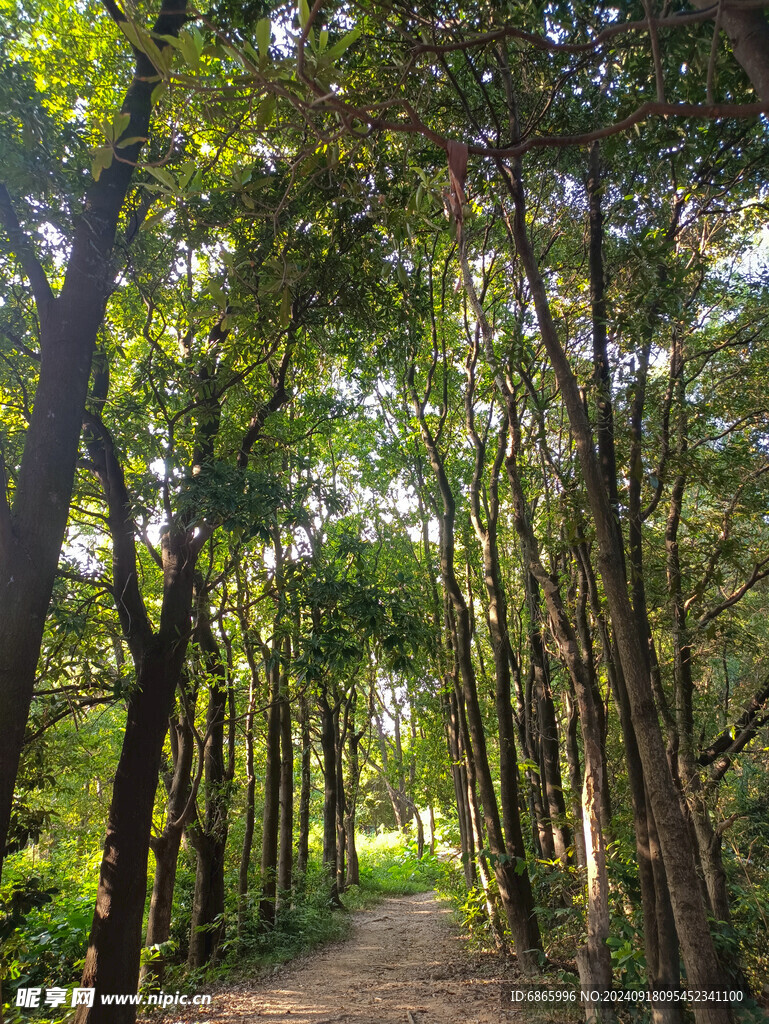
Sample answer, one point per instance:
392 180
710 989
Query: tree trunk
497 619
458 775
514 888
748 33
353 741
477 844
31 532
250 809
328 746
166 846
271 810
340 733
112 959
285 859
702 965
209 837
303 843
575 776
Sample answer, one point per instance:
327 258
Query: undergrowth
45 927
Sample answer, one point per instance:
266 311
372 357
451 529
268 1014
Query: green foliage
389 865
468 905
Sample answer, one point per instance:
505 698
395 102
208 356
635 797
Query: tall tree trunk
303 843
497 619
593 960
353 741
112 959
286 856
209 837
514 888
340 734
708 843
458 775
477 844
250 809
575 775
702 965
271 808
31 532
328 747
165 847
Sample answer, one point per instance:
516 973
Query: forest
385 488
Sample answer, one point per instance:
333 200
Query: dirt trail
404 963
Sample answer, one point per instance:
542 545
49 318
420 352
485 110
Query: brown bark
209 836
328 748
165 847
593 960
477 846
486 532
250 808
748 33
340 733
458 775
514 888
112 959
661 942
353 867
271 807
702 965
575 777
286 838
33 529
302 851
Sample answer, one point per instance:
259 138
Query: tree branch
25 252
743 730
760 572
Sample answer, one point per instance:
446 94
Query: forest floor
405 962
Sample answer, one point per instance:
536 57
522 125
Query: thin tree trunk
575 776
340 731
303 843
702 965
271 808
285 858
514 888
250 809
497 618
328 746
209 837
165 847
477 844
458 775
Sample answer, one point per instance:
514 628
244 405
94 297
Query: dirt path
404 963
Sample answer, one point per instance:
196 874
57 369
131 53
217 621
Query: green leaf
153 219
285 308
130 140
191 43
263 36
163 176
304 13
345 42
102 159
186 171
119 124
266 112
